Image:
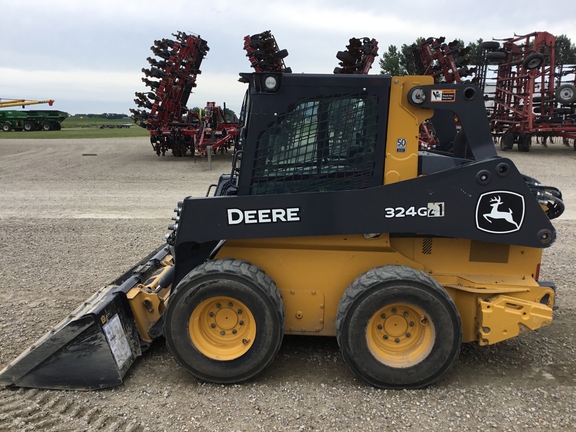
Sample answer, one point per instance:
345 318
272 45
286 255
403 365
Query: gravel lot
75 214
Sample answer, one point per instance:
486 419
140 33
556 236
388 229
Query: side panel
313 272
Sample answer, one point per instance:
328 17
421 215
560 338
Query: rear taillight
537 274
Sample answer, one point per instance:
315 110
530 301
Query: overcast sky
88 54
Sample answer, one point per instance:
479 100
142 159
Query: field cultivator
263 53
163 110
446 63
358 57
529 93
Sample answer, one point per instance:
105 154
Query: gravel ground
75 214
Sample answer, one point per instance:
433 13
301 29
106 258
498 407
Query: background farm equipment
32 120
446 63
215 130
358 57
530 94
163 111
5 103
264 53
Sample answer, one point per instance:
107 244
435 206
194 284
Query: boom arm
23 102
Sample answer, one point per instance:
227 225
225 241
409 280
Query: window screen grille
318 145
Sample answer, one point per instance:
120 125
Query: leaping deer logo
495 202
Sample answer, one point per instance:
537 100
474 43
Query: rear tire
224 322
398 328
28 126
6 127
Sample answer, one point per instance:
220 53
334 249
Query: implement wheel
507 141
225 321
566 94
524 142
398 328
533 61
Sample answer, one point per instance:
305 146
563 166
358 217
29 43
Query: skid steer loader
330 223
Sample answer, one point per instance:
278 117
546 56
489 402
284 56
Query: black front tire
217 348
398 328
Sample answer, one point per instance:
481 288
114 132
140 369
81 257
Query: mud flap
93 347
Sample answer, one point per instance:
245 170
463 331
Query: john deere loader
330 223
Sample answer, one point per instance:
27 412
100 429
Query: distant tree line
110 116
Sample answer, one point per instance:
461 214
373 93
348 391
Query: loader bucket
93 347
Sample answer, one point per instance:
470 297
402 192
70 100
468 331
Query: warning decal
444 95
117 340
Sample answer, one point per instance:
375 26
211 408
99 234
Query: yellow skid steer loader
331 222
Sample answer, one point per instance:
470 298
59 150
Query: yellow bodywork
147 302
313 272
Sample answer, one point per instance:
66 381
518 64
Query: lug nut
397 340
385 337
213 325
383 316
394 310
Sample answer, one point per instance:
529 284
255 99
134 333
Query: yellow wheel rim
222 328
400 335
